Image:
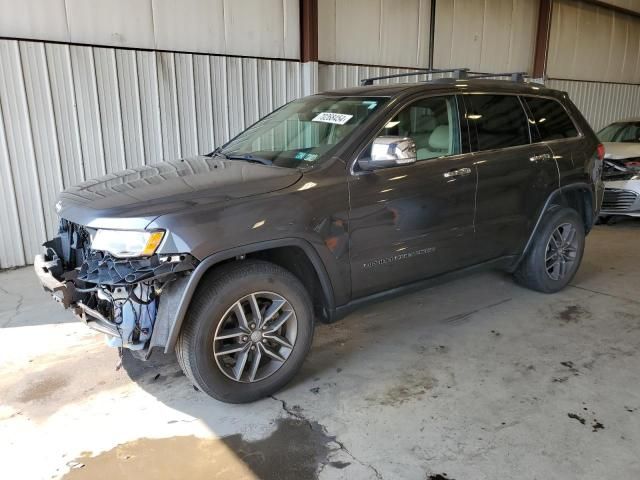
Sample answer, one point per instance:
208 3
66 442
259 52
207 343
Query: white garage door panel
592 43
493 35
101 22
41 19
257 28
628 4
383 32
189 25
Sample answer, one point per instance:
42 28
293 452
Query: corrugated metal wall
336 76
69 113
601 103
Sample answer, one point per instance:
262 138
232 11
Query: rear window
551 120
499 121
628 132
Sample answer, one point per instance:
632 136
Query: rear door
552 125
515 176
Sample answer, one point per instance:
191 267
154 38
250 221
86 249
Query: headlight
125 244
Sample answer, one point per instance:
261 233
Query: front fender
174 307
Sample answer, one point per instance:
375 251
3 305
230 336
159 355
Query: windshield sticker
307 157
330 117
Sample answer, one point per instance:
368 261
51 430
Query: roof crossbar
458 74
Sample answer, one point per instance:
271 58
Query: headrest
439 138
426 123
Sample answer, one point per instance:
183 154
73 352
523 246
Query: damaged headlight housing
127 243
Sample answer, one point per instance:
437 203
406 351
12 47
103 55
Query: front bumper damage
133 301
622 188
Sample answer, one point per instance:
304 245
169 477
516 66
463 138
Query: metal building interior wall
71 112
592 43
253 28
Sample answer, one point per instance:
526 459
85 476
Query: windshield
301 132
628 132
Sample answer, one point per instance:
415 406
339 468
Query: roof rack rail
458 74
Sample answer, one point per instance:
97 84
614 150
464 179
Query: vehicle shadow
363 356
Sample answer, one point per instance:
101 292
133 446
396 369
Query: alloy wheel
255 337
561 251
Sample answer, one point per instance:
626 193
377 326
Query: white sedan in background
621 173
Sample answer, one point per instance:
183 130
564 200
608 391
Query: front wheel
248 331
555 253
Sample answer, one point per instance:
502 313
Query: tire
534 271
212 315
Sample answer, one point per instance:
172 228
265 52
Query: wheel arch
294 254
578 196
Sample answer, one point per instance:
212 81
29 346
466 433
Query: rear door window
498 121
550 119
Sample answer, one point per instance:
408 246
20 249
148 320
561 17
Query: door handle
542 156
460 172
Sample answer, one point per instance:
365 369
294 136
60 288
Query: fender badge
58 206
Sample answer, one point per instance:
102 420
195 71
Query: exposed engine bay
621 169
116 296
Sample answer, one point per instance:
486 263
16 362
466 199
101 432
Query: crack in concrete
341 446
16 311
461 316
605 294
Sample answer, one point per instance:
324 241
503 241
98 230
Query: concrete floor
474 379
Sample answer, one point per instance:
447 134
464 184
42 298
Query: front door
416 221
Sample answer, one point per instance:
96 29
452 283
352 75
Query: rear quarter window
550 120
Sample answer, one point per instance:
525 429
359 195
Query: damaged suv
331 201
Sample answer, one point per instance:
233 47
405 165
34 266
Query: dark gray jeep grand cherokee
329 202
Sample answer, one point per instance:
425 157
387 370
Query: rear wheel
556 252
249 329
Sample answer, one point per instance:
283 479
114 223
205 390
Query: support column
309 46
542 39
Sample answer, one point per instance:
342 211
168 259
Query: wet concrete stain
410 387
575 416
295 450
439 476
597 426
42 388
572 314
571 366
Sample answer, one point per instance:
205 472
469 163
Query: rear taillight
600 152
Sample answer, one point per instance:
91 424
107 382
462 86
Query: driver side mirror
389 152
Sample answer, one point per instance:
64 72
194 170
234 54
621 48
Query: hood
620 150
131 199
